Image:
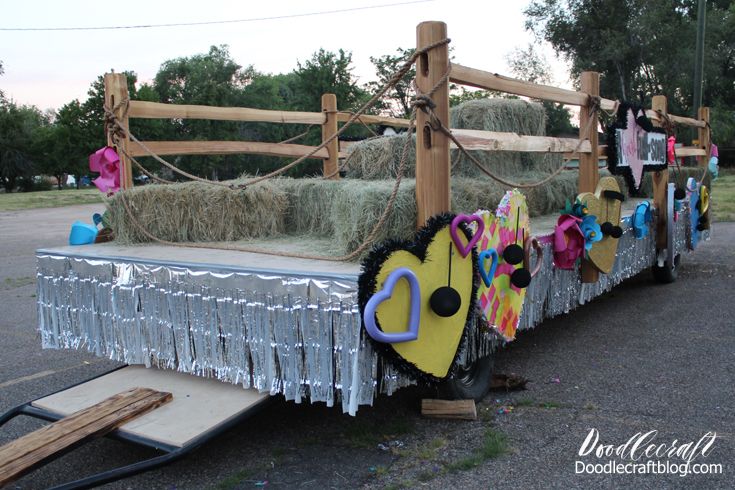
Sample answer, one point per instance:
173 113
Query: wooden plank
329 128
116 91
473 139
690 151
370 119
31 450
704 136
589 174
660 183
189 415
224 148
156 110
685 121
449 409
432 147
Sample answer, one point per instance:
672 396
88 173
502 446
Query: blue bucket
82 233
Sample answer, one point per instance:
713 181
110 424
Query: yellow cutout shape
602 254
436 346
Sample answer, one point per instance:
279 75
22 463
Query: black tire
471 382
666 274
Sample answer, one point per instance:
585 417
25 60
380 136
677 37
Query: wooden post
589 174
116 90
660 184
329 108
433 190
704 136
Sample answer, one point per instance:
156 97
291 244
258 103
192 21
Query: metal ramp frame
175 429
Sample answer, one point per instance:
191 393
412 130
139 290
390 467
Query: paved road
644 357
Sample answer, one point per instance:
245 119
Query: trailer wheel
665 274
470 382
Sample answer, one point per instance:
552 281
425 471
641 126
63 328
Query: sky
51 68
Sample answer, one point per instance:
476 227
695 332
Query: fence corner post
589 174
433 186
705 137
116 92
660 183
329 128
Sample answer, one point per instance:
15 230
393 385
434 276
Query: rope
116 126
355 253
428 107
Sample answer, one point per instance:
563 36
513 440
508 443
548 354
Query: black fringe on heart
367 287
621 122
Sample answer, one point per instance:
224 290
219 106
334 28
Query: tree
527 64
397 100
641 49
326 72
18 152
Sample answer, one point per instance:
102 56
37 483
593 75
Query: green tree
645 48
18 151
326 72
397 100
529 65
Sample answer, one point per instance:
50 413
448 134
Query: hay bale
198 212
378 158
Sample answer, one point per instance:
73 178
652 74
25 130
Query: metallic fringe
297 336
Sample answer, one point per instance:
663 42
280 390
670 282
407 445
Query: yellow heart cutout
602 254
434 351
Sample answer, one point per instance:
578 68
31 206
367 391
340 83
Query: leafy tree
397 100
527 64
18 152
326 72
645 48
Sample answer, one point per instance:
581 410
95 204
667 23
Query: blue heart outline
414 318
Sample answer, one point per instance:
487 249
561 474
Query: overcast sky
49 69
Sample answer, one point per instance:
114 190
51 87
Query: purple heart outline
464 250
412 333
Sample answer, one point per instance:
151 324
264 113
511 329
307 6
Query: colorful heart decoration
606 205
388 306
487 275
500 300
106 161
414 315
466 219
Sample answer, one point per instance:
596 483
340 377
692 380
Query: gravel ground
643 357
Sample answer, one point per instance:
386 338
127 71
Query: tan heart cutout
602 254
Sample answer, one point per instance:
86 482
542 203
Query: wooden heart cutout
501 301
606 205
436 263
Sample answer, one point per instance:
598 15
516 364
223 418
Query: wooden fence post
705 140
116 91
589 174
329 108
433 189
660 184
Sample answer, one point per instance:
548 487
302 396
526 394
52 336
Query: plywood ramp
199 405
32 450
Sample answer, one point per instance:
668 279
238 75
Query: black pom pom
607 228
679 194
701 226
513 254
616 232
521 278
445 301
644 123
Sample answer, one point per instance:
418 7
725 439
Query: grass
16 201
233 481
494 444
366 435
723 196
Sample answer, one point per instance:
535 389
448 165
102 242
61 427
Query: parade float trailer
409 261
